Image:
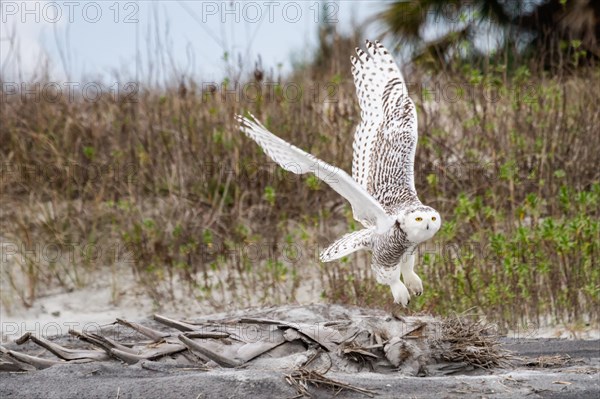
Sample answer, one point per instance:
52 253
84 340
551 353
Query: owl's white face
420 225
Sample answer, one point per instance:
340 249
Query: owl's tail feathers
348 244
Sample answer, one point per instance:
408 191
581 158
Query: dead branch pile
471 342
289 339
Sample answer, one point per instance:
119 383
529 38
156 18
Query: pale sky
109 40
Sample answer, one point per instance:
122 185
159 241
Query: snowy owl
382 189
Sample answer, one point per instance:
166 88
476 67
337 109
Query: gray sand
110 380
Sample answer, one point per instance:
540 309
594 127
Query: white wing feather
364 207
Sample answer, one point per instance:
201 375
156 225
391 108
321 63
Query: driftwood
62 352
324 337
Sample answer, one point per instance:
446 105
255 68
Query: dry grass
473 342
555 361
302 378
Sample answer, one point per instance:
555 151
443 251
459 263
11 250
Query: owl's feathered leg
391 277
411 279
348 244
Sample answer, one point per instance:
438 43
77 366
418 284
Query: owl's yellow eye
419 219
433 218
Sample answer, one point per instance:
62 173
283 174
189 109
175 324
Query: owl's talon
400 293
413 283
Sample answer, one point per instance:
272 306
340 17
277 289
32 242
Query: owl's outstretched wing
364 207
386 138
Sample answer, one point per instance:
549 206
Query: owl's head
420 223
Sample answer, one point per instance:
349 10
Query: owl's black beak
427 226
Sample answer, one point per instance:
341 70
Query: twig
300 378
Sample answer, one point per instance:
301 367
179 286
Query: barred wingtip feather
347 244
386 138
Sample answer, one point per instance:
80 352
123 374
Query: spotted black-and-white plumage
382 189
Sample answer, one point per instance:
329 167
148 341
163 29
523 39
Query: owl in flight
382 188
